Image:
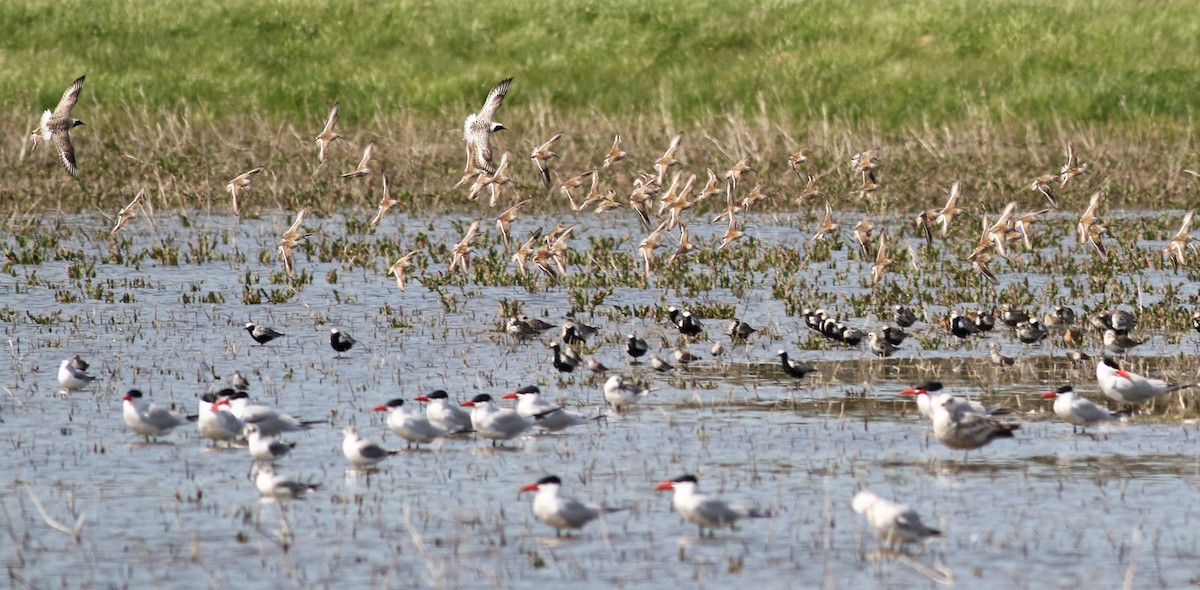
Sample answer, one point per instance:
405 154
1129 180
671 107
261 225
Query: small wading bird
128 212
703 510
290 239
542 155
328 135
1072 168
636 347
667 160
560 511
1090 229
1177 248
615 154
385 202
238 184
479 127
56 126
363 168
397 269
793 368
462 250
340 341
894 523
262 334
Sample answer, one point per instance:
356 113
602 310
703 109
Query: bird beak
509 395
500 128
468 404
912 391
1049 394
380 408
530 488
663 485
420 398
1124 373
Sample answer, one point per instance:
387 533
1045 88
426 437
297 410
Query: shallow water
1048 509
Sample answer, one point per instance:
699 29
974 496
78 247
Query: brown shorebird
1178 246
363 168
236 185
668 158
810 192
462 250
56 126
828 226
573 183
866 163
328 135
883 259
862 235
542 155
522 255
1072 168
615 154
479 127
506 218
734 174
685 245
127 212
1090 229
397 269
497 181
292 238
1042 185
647 246
795 160
385 202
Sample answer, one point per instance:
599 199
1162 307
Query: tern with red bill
495 423
216 422
443 414
361 452
930 395
1078 411
554 418
896 524
559 511
703 510
269 421
411 426
1131 388
149 419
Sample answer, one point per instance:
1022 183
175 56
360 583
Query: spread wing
69 98
66 152
333 117
494 99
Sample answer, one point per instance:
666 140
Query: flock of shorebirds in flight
958 423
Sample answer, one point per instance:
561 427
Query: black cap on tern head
439 394
481 398
550 479
685 478
1064 389
529 389
394 403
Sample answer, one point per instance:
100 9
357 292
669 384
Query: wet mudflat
161 308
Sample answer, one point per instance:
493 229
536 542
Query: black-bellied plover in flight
479 127
56 126
328 135
262 334
235 186
363 168
127 212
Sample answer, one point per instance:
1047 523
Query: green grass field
834 77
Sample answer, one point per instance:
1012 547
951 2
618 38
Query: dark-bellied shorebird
56 126
479 127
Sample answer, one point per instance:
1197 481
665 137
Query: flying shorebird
810 192
828 226
615 154
385 202
56 125
362 169
1177 248
503 221
497 181
1090 229
127 212
668 158
685 245
1072 168
734 174
573 183
1024 226
328 135
542 155
882 259
795 160
397 269
862 235
1042 185
946 215
732 233
462 250
479 127
292 238
866 163
239 183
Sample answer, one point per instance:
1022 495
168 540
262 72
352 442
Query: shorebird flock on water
659 199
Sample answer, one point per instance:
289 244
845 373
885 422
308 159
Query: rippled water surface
1117 507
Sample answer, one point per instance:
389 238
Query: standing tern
216 422
443 414
894 523
360 451
561 512
1131 388
702 509
270 422
411 426
621 395
72 379
958 427
498 424
149 419
1078 411
554 418
929 395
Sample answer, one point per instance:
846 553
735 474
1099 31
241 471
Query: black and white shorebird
739 330
262 334
479 127
340 341
880 345
962 326
564 360
637 348
55 126
904 316
793 368
689 325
